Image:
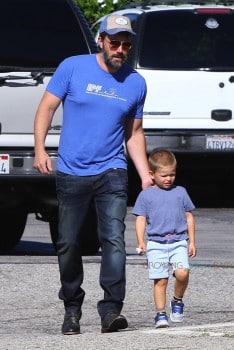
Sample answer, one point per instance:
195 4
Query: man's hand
42 163
146 182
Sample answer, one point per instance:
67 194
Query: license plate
220 142
4 164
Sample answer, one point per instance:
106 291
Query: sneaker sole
175 320
163 325
71 333
118 323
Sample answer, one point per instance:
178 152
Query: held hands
146 182
42 163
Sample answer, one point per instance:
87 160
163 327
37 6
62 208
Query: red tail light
212 10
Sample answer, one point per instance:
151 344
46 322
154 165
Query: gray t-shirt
165 212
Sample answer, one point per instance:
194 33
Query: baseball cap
114 24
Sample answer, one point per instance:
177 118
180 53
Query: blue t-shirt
165 212
95 107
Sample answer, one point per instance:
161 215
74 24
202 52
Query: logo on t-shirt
100 91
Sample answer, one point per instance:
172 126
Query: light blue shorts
163 257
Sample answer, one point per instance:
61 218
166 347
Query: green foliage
94 9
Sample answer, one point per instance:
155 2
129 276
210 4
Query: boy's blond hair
161 157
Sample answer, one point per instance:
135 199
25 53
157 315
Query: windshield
39 33
188 40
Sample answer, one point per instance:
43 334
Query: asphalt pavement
31 313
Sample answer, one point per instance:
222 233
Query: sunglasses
115 44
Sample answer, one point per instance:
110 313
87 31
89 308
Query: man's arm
136 146
44 116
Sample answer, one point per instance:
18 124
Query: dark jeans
75 193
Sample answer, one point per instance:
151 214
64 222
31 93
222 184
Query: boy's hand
141 249
192 251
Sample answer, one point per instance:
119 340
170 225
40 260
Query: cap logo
121 21
115 24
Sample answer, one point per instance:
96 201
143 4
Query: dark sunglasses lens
126 44
117 43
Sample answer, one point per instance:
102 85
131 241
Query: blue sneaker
177 309
161 320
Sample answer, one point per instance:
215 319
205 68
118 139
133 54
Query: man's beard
111 63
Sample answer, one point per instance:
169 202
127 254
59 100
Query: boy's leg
181 283
180 265
160 287
158 267
177 305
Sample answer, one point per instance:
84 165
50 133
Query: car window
188 40
133 17
35 37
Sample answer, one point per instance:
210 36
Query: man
102 107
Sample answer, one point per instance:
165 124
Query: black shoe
71 323
112 322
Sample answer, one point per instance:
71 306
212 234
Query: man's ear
100 41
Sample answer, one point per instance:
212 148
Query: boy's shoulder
149 191
153 189
179 188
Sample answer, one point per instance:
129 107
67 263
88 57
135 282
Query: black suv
35 37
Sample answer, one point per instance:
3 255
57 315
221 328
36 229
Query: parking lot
31 314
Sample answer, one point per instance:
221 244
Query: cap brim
118 30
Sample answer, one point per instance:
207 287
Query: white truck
35 37
185 51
